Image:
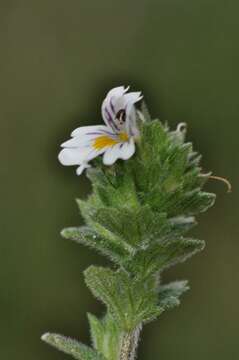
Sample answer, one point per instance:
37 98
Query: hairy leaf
126 299
106 336
72 347
169 294
162 255
111 247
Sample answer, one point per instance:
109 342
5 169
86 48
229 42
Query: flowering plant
137 216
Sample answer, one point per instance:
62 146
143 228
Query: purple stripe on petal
110 119
101 133
94 133
108 114
112 106
108 133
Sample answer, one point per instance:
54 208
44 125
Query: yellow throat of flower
107 141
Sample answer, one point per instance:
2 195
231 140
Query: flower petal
130 124
73 156
133 97
117 91
79 155
111 155
109 109
122 151
127 149
116 101
75 142
86 130
84 136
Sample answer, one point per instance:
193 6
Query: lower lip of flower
106 141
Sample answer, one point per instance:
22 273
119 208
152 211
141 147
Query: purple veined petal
81 131
88 139
116 105
105 130
112 106
108 108
76 142
101 132
110 120
108 114
94 133
116 101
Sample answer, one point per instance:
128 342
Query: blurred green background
57 61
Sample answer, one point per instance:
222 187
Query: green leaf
181 224
178 203
114 186
72 347
133 226
110 246
162 255
169 294
128 302
106 336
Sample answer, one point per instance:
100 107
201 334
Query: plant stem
129 344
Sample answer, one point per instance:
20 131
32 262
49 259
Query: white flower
116 139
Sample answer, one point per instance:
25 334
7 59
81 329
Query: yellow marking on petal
123 136
104 141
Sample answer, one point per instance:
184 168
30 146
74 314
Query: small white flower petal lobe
117 91
111 155
69 157
127 149
85 130
133 97
76 156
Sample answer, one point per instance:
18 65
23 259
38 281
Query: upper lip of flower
115 139
118 106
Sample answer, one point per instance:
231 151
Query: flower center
121 116
123 136
106 141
